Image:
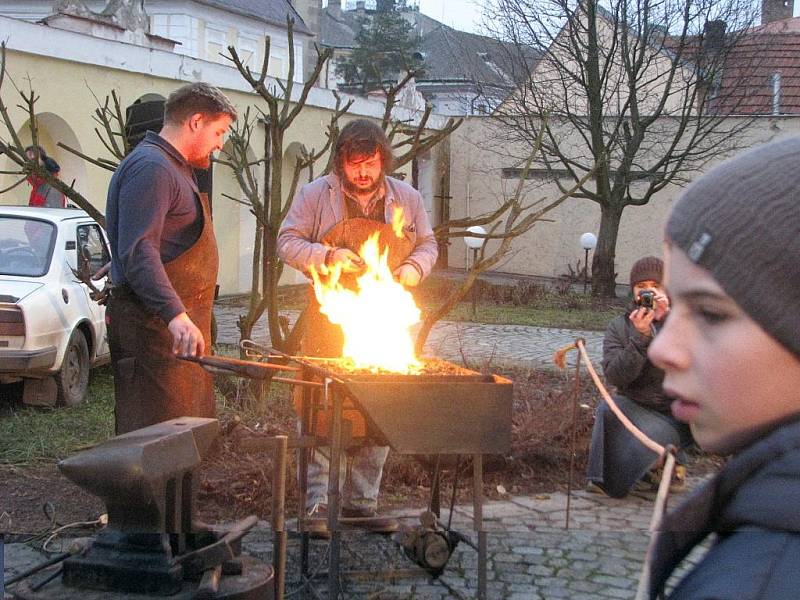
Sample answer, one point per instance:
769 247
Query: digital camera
646 299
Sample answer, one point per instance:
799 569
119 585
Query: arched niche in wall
147 114
52 130
290 157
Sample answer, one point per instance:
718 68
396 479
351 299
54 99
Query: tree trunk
245 332
603 272
274 274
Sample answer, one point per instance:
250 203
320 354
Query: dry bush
543 420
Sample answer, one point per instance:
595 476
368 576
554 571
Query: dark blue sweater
153 215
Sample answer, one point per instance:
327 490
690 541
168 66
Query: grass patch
238 398
593 319
526 303
34 435
31 435
522 304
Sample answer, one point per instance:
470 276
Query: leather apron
322 338
150 384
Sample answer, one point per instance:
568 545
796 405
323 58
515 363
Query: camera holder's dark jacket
752 506
627 368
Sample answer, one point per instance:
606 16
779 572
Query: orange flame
377 317
398 221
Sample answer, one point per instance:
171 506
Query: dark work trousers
150 383
617 460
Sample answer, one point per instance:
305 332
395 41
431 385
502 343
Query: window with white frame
278 62
247 47
216 43
298 62
180 28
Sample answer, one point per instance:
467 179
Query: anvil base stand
153 546
333 396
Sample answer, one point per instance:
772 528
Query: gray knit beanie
647 268
741 223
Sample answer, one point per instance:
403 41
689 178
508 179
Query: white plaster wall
477 188
233 27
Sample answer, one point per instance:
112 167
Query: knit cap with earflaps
741 223
648 268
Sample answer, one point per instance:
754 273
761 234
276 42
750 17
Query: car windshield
25 246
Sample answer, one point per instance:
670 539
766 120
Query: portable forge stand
460 414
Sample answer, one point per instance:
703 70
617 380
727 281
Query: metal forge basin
459 412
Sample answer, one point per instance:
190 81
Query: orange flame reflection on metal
398 221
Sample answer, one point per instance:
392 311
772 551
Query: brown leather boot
316 522
369 519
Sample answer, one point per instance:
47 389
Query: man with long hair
360 192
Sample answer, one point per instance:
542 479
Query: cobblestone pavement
473 343
531 555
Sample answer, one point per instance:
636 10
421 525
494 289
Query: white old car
51 331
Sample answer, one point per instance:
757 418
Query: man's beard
200 162
354 189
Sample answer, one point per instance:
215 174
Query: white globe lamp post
475 244
588 242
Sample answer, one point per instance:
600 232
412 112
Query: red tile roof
748 80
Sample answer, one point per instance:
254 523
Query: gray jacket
752 507
625 365
319 205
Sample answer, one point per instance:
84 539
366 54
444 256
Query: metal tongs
261 371
257 350
243 368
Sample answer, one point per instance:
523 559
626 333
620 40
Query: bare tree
12 146
631 89
515 217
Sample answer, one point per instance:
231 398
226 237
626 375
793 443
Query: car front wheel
73 378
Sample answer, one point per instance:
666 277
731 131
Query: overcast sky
458 14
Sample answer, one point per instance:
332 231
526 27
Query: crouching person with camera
618 462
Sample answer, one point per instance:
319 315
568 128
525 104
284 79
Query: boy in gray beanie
731 356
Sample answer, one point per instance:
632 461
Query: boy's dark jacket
753 505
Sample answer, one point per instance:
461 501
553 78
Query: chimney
776 93
714 35
360 10
309 11
128 14
776 10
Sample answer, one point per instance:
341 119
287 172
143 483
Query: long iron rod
576 397
333 488
477 499
279 516
305 428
